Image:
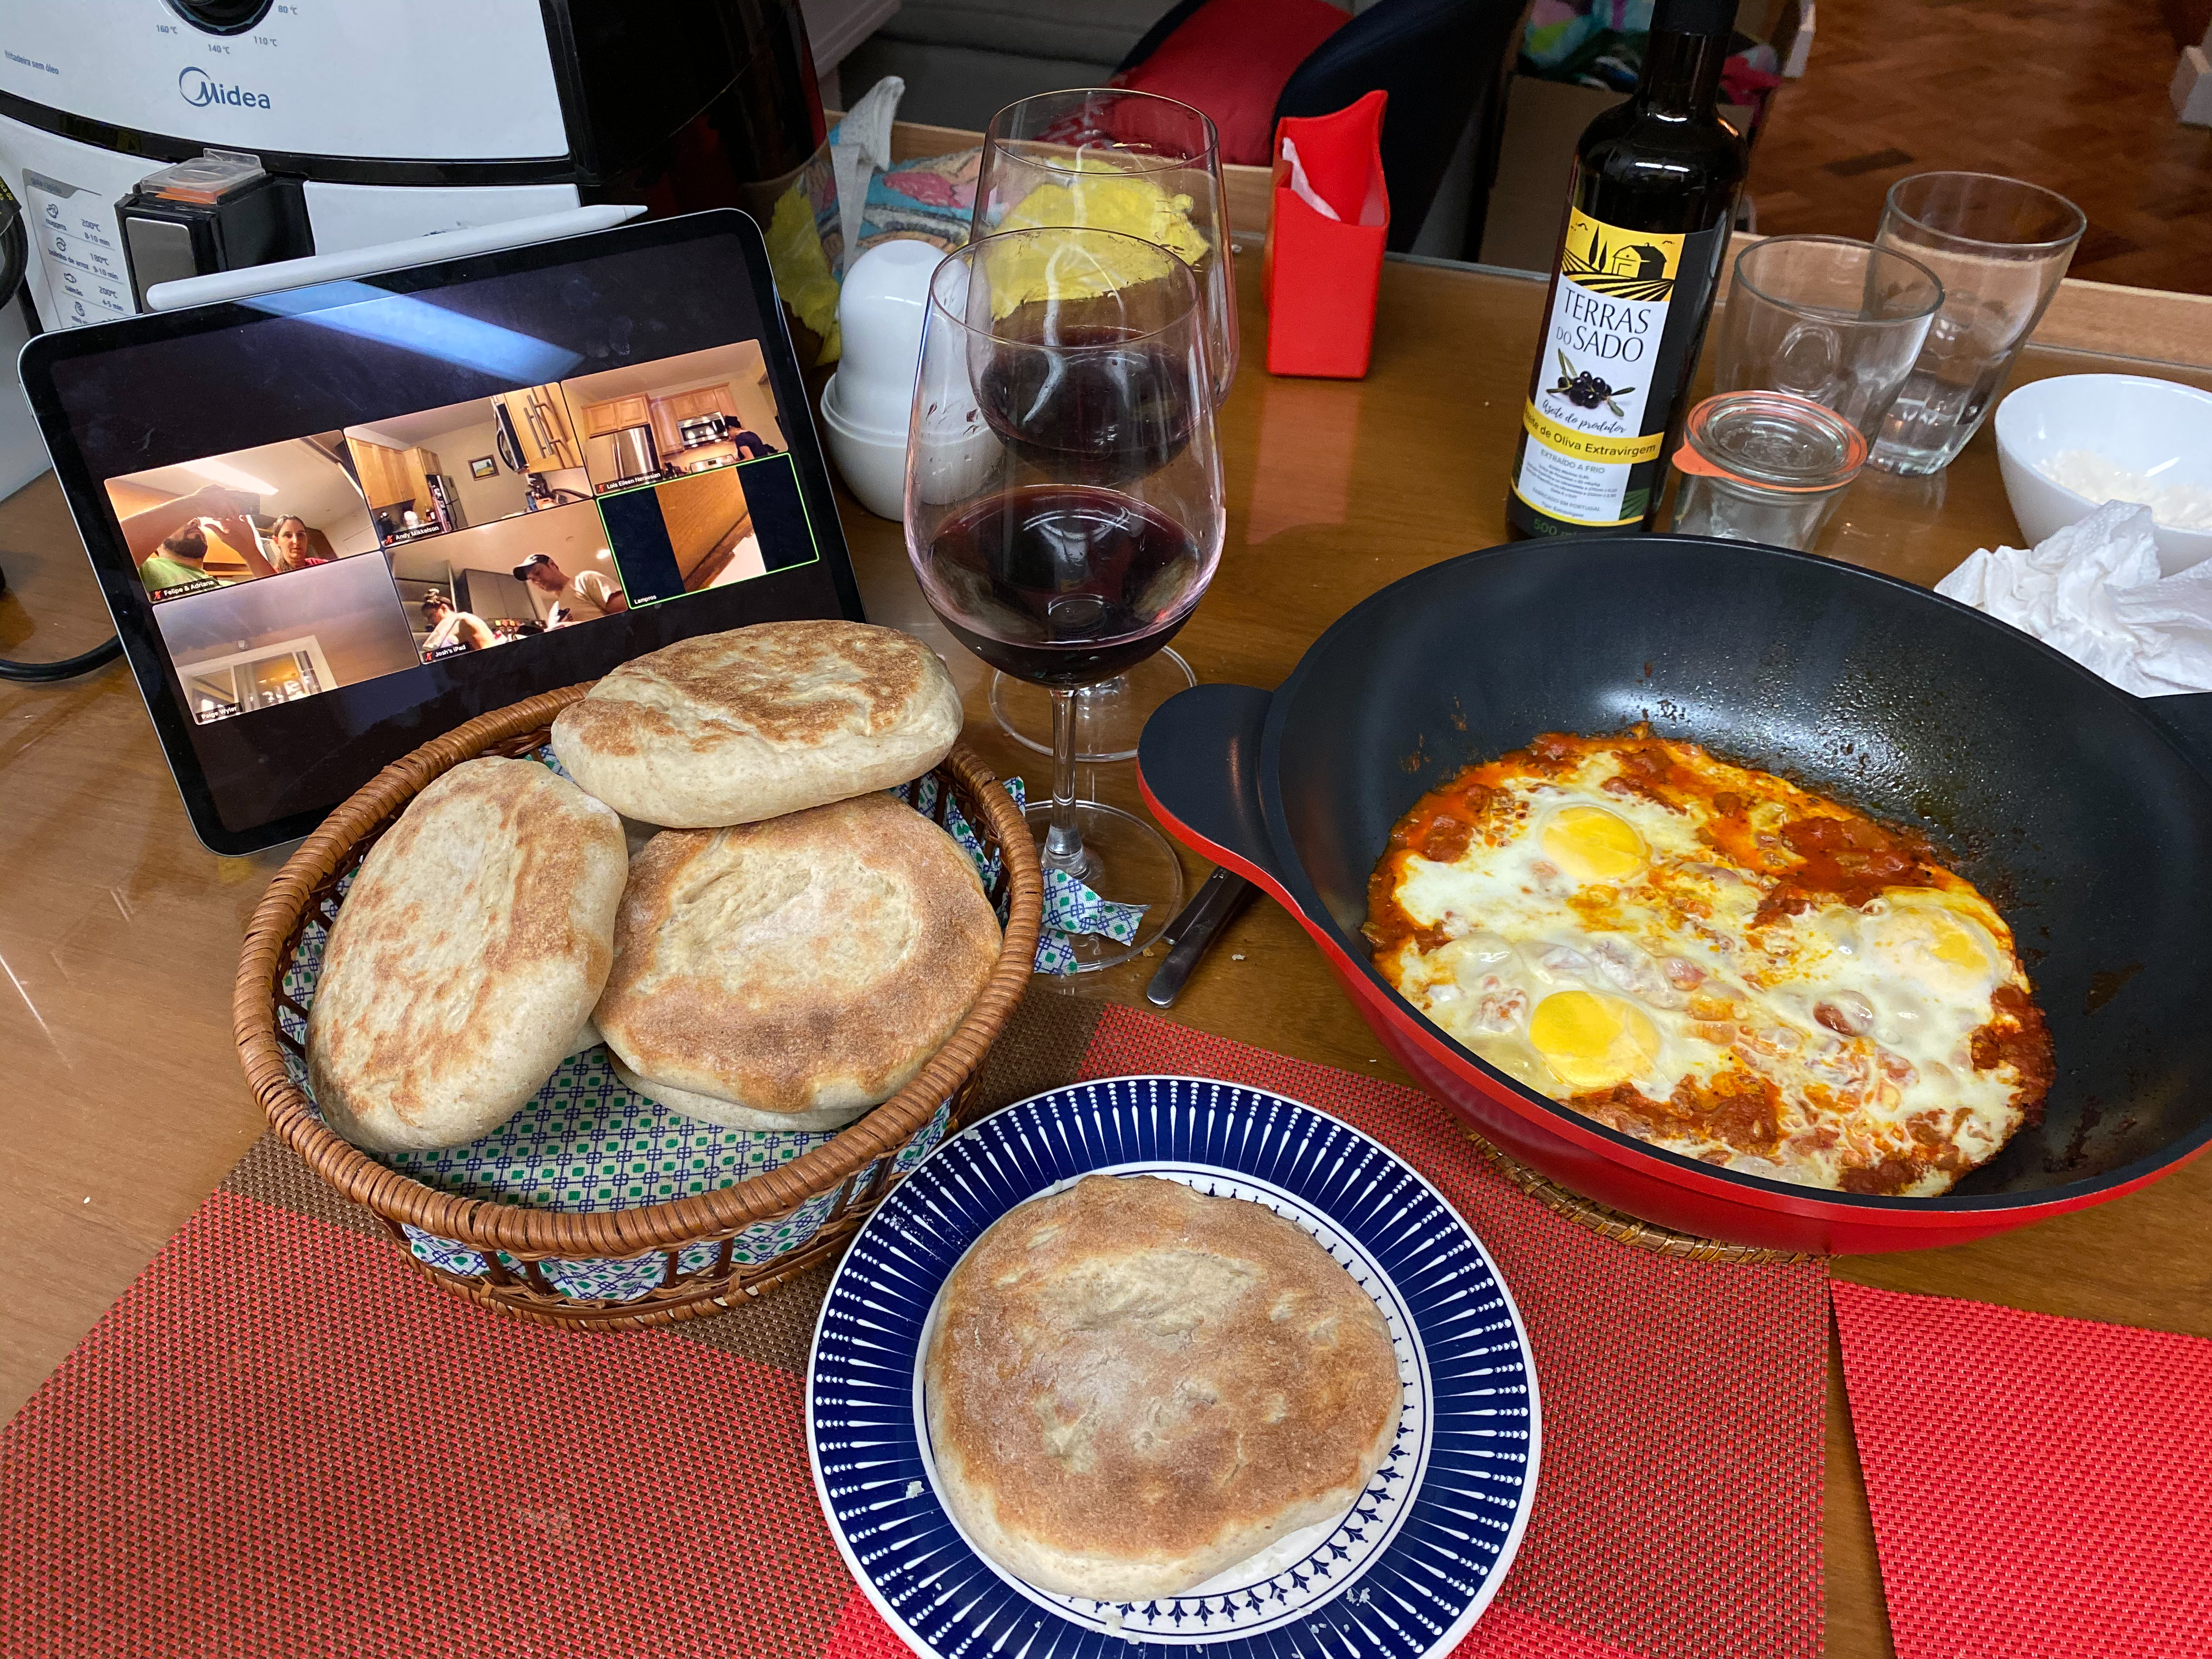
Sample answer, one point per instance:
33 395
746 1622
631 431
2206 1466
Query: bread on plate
1132 1386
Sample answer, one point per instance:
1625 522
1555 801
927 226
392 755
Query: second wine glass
1143 165
1064 503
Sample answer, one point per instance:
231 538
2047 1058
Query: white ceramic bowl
870 459
2135 422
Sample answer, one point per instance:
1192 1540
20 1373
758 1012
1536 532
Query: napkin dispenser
1327 219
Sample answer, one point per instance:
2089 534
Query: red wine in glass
1063 507
1103 413
1062 585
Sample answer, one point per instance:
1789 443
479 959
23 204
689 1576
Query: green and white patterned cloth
1070 908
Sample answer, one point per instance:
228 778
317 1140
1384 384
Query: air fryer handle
2187 716
1198 765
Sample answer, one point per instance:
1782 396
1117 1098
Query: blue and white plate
1406 1574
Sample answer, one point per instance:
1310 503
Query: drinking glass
1064 503
1999 247
1145 165
1830 319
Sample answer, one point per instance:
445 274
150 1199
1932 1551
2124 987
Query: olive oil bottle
1649 213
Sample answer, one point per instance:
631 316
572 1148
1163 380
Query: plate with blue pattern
1405 1574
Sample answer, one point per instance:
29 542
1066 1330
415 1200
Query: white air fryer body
380 83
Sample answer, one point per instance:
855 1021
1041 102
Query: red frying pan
2084 813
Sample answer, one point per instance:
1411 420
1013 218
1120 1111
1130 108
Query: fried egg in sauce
1714 961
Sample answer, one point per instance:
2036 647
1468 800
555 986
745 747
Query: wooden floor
2070 94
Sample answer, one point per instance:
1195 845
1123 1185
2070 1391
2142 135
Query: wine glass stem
1063 841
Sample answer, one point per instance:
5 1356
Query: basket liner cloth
282 1440
2041 1487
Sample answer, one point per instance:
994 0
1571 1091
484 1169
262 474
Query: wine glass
1147 166
1063 501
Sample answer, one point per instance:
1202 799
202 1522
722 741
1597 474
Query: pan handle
2187 717
1198 765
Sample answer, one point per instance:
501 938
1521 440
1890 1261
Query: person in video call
217 513
751 446
296 551
449 627
180 558
584 597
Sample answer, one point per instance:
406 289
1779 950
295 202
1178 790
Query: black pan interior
2056 793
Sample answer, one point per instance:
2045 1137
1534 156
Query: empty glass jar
1763 466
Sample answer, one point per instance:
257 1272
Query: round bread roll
727 1113
1132 1386
793 974
473 944
736 728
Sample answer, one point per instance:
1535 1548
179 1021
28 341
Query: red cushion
1231 59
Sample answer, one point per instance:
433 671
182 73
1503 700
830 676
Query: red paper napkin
2041 1487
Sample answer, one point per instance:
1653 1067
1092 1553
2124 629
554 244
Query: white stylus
250 280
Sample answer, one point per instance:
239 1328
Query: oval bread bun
471 949
800 970
1132 1386
727 1113
738 726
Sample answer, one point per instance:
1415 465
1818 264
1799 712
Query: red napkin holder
1320 275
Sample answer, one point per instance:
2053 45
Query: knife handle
1220 897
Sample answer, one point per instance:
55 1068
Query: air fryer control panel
396 80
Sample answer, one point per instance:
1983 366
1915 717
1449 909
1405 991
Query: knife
1220 897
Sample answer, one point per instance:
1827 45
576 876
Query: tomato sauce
1845 862
2017 1037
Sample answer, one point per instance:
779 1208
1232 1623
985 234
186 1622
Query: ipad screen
344 522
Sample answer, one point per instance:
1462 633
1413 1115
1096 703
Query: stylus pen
250 280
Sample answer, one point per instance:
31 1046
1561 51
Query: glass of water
1828 318
1999 247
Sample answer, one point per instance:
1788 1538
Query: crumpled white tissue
2093 591
1301 187
862 150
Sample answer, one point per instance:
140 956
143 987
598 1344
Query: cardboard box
2191 90
1543 120
1535 161
1797 51
1784 25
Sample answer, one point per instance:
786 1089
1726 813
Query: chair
1444 62
1442 65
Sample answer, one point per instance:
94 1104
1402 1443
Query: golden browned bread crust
1132 1386
811 963
466 956
755 723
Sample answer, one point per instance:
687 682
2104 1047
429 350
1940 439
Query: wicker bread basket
698 1271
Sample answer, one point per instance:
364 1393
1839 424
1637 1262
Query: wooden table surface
121 1103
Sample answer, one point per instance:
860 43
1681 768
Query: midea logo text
199 89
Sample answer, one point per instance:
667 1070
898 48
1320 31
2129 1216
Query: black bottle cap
1706 17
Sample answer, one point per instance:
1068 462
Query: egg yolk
1593 1042
1928 941
1591 844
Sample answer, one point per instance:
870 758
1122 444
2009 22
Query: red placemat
283 1441
2041 1487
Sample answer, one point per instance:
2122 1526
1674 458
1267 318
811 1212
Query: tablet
332 523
